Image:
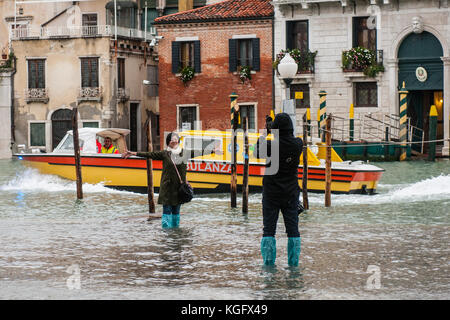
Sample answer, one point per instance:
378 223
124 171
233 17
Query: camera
269 123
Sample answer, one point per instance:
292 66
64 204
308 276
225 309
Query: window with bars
36 73
89 72
297 35
244 52
366 94
304 89
247 111
363 36
187 117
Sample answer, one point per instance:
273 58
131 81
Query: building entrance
422 71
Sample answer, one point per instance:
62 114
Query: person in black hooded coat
280 190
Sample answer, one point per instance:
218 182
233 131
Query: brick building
216 41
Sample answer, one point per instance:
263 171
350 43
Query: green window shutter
175 56
232 54
255 52
37 134
289 29
197 60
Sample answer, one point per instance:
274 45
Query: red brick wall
211 88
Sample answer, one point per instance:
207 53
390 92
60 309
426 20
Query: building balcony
64 32
36 95
123 94
90 94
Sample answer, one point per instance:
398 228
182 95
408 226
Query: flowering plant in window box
187 74
361 59
245 73
303 58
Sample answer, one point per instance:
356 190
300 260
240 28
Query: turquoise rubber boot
166 221
268 250
293 250
175 220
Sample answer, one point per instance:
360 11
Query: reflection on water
403 230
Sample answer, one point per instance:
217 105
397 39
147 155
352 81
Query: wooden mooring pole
234 123
305 162
150 193
246 165
76 147
328 163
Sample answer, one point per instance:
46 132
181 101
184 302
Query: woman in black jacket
170 182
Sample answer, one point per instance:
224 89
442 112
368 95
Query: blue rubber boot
268 250
293 250
175 220
166 221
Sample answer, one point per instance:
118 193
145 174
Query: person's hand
128 153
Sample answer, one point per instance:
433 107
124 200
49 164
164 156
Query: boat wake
436 188
30 180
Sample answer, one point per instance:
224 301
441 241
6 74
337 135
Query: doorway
61 123
419 105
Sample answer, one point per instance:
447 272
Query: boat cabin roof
88 136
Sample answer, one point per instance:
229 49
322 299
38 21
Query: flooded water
393 245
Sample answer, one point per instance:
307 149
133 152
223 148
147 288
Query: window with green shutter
186 53
244 52
37 134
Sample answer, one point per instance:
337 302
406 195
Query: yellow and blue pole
323 112
352 122
432 133
403 121
308 120
318 122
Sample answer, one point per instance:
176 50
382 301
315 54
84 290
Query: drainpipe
13 126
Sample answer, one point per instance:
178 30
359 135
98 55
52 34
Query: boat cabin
88 138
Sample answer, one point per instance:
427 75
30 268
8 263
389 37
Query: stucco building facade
73 54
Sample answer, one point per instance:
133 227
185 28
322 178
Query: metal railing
36 95
372 127
78 32
90 94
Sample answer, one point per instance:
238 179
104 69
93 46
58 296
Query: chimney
184 5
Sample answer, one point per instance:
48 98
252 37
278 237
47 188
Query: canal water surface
392 245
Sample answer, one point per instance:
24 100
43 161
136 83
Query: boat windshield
67 145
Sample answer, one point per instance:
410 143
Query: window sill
352 75
41 100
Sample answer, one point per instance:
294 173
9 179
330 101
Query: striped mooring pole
308 120
234 123
403 117
352 122
432 133
323 112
